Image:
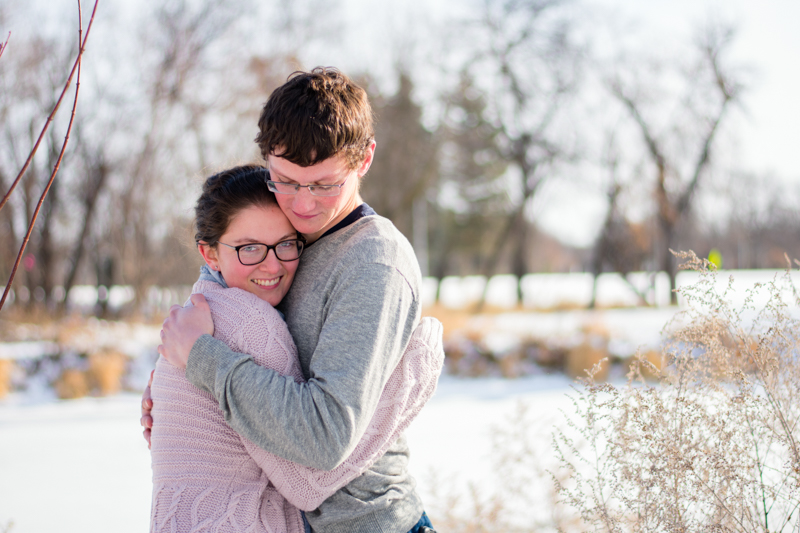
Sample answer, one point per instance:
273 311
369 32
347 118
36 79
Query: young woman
206 476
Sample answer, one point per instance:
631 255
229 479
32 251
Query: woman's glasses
255 253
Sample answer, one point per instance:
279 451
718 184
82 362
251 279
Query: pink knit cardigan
206 477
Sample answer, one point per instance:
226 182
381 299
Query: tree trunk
96 182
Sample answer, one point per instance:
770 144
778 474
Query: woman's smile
271 278
266 282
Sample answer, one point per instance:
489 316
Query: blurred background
542 156
514 137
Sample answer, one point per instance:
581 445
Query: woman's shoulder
248 324
235 304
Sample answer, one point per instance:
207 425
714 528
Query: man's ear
368 157
209 254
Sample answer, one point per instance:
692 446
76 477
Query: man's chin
306 224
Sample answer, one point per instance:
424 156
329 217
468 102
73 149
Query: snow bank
461 292
86 464
28 350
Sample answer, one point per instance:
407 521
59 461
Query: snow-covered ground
82 465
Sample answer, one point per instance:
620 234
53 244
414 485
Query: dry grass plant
714 443
6 368
72 384
593 351
469 510
586 356
454 321
106 370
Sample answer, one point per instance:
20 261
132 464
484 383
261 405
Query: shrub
106 369
6 366
714 443
586 356
71 384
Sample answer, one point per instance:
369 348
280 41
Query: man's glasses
255 253
279 187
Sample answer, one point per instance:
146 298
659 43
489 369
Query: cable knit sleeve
251 326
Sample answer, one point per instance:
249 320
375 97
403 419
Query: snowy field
82 465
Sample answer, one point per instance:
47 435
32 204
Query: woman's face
269 280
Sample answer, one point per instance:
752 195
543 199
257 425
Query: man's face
314 215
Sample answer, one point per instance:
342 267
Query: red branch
58 103
76 68
4 45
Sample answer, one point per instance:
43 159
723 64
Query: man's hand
147 407
183 327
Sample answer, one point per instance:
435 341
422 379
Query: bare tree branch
76 68
4 45
52 115
728 92
674 199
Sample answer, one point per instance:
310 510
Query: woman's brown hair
224 195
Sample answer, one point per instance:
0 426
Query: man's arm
409 388
368 321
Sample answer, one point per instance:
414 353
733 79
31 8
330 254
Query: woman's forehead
257 222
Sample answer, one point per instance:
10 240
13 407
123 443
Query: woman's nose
271 262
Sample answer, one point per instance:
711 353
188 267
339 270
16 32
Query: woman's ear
209 254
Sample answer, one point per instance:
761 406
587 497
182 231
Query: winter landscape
85 460
544 158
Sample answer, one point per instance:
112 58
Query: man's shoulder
376 239
370 242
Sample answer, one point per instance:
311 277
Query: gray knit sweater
351 310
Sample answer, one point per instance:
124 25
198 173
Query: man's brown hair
316 115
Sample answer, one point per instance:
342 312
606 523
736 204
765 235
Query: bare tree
97 170
75 71
761 226
618 247
471 205
712 89
527 65
182 34
30 93
406 162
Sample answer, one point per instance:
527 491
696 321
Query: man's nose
303 200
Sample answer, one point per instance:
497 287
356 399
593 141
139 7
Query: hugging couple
283 389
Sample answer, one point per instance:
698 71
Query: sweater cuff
201 368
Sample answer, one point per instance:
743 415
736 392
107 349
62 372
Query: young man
351 310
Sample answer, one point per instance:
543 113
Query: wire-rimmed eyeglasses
281 187
254 253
